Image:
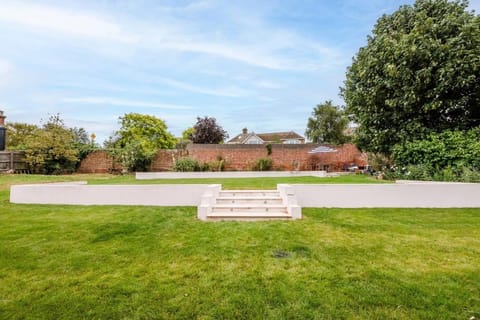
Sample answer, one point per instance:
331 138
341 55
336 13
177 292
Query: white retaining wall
81 194
227 174
410 195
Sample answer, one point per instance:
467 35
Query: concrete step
246 205
229 208
249 200
249 193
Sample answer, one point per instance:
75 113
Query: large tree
138 140
327 124
419 73
207 131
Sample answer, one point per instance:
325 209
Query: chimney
245 131
2 131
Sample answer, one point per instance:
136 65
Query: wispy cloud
232 92
252 45
125 103
55 19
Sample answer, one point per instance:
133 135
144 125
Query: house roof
266 137
279 136
241 138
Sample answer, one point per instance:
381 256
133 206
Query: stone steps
249 193
244 205
249 200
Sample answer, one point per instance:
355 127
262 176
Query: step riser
249 194
249 201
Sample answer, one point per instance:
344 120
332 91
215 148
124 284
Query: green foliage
418 74
190 165
207 131
327 124
187 134
264 164
453 149
51 149
269 149
82 142
186 165
379 162
138 140
424 172
17 133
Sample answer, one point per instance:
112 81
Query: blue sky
260 64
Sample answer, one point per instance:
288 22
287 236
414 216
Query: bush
186 165
428 173
445 156
264 164
454 149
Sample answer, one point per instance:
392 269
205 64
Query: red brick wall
284 156
242 157
165 159
98 162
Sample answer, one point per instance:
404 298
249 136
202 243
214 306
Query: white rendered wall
411 195
78 194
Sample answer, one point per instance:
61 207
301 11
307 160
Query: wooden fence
13 161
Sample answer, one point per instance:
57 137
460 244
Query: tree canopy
139 138
17 132
51 148
207 131
418 74
327 124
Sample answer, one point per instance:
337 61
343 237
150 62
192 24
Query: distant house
265 138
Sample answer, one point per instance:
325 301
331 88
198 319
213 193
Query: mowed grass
113 262
244 183
227 183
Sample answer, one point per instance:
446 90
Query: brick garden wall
241 157
284 156
98 162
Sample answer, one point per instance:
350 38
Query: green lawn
112 262
227 183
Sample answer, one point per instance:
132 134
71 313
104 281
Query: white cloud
242 53
256 45
64 21
125 103
232 92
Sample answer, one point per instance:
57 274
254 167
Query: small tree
51 149
207 131
327 124
187 134
138 140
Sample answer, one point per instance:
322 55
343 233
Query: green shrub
445 156
264 164
455 149
186 165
